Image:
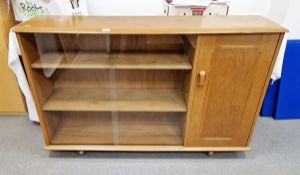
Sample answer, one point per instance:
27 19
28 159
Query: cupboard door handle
201 78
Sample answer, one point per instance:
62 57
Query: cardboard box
195 7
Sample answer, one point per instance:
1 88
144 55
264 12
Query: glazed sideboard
149 83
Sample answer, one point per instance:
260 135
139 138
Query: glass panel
114 89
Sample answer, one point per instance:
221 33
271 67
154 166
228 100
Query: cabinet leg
210 153
81 152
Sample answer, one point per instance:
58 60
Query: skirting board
129 148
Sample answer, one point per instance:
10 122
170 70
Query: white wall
292 20
278 10
286 14
281 11
249 7
125 7
155 8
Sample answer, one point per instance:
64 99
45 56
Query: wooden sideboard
11 101
149 83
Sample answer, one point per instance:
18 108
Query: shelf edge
134 148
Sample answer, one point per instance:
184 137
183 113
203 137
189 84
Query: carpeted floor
275 150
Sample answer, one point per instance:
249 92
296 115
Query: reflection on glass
115 89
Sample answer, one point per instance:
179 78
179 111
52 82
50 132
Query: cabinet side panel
190 42
40 86
189 86
266 84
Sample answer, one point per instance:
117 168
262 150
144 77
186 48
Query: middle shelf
100 60
154 100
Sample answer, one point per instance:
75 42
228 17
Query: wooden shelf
131 129
115 100
76 129
98 60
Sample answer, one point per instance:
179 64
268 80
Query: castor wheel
210 153
81 152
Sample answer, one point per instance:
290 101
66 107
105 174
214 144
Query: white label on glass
105 29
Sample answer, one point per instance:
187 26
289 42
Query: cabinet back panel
110 43
142 79
116 128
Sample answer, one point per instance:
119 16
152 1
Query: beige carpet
275 150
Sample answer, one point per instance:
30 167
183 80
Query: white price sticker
105 29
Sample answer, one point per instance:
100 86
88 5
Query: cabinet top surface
149 25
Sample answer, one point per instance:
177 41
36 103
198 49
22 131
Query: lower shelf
94 128
156 100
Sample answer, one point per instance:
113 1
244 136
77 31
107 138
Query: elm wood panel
267 47
203 53
52 121
115 100
192 39
70 43
56 43
190 87
43 86
98 60
185 89
83 128
163 40
222 120
141 148
7 18
191 48
132 129
40 86
150 128
236 67
149 25
11 102
191 52
120 79
267 80
73 43
124 43
145 43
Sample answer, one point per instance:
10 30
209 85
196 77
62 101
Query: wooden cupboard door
11 101
230 74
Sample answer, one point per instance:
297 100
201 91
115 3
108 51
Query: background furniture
149 83
268 108
289 89
11 101
282 99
